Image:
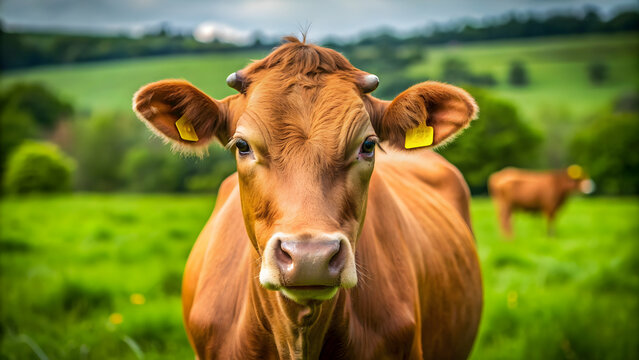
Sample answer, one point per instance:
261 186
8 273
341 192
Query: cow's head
304 131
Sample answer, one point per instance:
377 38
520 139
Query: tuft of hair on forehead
295 58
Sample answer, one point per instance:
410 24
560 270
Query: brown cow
517 189
310 253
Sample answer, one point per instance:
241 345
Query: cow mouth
310 287
303 294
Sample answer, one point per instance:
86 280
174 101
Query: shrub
456 71
152 169
220 164
598 73
607 149
210 182
627 102
499 138
518 75
103 141
392 86
38 167
40 102
15 126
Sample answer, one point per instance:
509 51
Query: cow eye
242 147
368 147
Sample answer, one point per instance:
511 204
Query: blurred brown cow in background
517 189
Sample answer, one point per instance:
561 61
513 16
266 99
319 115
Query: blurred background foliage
607 147
38 167
94 275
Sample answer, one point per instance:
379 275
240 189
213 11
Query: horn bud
368 83
235 81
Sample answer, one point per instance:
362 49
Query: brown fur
301 109
516 189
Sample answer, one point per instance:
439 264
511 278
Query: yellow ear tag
575 172
186 130
419 137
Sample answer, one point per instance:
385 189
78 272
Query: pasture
98 276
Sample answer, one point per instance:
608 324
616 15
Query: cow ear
446 108
182 114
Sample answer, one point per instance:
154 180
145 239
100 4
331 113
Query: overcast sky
342 18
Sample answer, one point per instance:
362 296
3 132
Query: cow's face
304 159
305 146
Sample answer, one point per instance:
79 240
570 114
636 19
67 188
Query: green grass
68 263
569 297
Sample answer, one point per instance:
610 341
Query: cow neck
298 330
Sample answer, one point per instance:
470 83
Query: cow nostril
282 256
337 260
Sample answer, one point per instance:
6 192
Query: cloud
209 31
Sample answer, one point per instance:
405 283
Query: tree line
27 49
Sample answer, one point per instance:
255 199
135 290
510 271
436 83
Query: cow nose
310 263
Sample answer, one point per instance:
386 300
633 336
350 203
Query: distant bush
38 167
40 102
16 125
456 71
608 150
211 181
101 147
558 125
484 80
598 73
385 58
148 169
28 111
628 102
499 138
391 86
518 74
116 152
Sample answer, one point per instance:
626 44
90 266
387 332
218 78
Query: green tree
222 164
101 146
498 138
607 149
38 168
518 74
598 73
45 107
152 169
15 126
391 86
455 71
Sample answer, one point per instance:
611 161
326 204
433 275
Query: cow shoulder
196 257
432 169
412 221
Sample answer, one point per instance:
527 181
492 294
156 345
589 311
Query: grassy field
109 86
98 276
557 69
